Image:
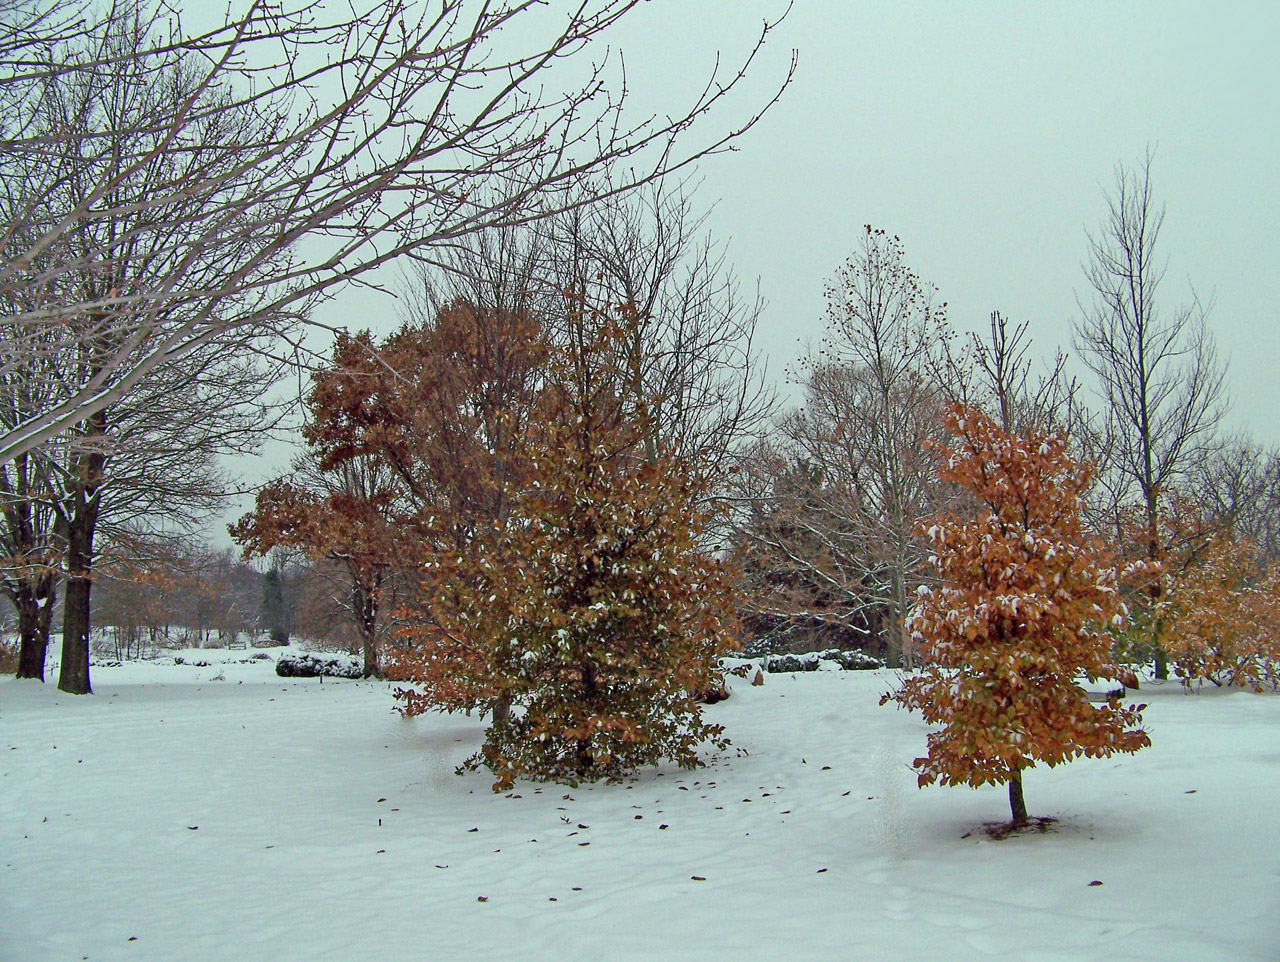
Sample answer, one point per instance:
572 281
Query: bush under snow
312 664
847 660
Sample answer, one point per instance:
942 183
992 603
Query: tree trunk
31 656
893 627
364 599
502 710
74 676
1157 588
81 525
1017 807
586 758
34 602
33 643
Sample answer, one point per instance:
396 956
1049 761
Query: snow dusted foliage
846 660
586 616
314 664
1021 609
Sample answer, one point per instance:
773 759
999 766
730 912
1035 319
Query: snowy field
222 813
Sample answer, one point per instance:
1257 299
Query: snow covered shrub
853 660
314 664
1021 608
781 663
848 660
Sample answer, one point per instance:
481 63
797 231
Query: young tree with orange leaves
1221 619
1021 609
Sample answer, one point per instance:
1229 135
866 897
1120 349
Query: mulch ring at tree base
1037 825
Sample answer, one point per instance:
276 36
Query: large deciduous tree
846 539
162 435
1022 608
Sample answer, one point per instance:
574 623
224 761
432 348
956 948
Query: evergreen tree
276 615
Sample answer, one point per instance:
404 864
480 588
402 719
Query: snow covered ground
222 813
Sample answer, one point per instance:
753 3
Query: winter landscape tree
1215 617
343 516
589 606
871 401
695 331
1159 377
1023 605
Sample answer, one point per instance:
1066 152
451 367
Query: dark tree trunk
364 599
1162 663
502 710
1017 807
31 581
31 655
586 758
35 611
74 676
81 525
1156 590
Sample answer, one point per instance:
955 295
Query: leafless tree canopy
1157 368
693 351
343 142
840 486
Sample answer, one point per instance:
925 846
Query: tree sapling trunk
1017 806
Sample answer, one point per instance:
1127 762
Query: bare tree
693 347
1157 368
851 473
857 476
381 132
156 443
692 351
882 326
1238 489
1021 401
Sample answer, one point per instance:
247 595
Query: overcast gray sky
983 134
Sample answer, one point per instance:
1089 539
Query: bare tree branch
386 131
